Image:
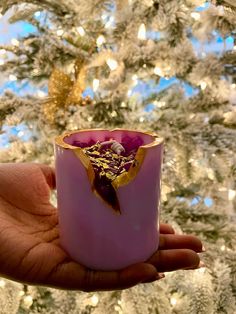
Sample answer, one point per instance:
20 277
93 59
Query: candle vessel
108 192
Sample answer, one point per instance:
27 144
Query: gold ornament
64 92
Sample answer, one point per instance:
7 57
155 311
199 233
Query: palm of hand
29 246
29 239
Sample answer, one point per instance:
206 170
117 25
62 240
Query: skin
30 250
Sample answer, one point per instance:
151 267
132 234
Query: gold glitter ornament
64 92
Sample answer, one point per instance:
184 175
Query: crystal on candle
110 159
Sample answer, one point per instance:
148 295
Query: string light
158 71
2 283
113 64
96 84
203 85
234 48
2 51
28 301
173 301
222 248
195 15
21 293
129 93
141 119
159 104
37 14
1 62
231 194
113 114
135 77
110 22
15 42
142 32
81 31
60 32
41 94
100 40
12 78
94 300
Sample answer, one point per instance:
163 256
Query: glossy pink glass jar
91 231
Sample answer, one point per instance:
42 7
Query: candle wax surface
108 163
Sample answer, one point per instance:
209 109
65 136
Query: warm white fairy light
21 293
2 283
141 119
135 77
231 195
37 14
173 301
118 309
96 84
94 300
41 94
28 301
158 71
12 77
142 32
100 40
15 42
60 32
195 15
129 93
113 114
110 22
159 104
2 51
90 119
221 10
222 248
203 85
113 64
234 48
81 31
1 62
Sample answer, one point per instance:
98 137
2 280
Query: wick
115 146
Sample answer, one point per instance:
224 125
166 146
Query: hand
29 241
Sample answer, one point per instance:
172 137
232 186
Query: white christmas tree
159 65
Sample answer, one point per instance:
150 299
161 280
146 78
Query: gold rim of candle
122 179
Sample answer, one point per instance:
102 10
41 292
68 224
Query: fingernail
156 277
201 264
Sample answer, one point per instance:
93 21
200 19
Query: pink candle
108 189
